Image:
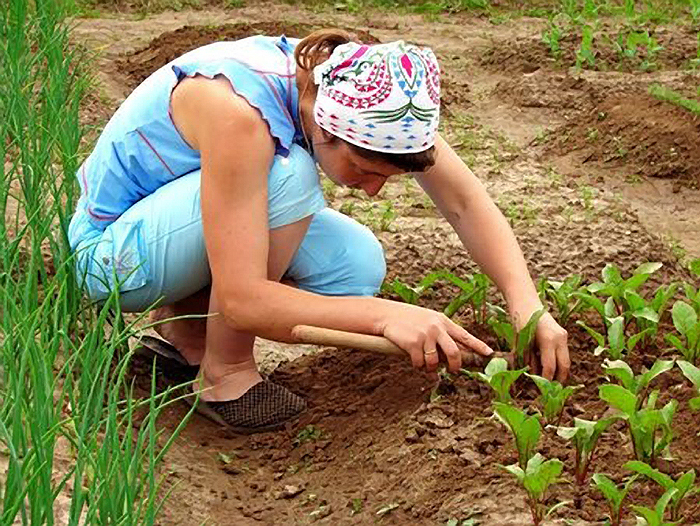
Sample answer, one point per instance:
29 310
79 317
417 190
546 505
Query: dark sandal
174 366
264 407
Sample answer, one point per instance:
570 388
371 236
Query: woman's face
345 167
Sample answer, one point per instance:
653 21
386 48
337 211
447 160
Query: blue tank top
140 149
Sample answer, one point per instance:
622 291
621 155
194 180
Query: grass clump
668 95
58 379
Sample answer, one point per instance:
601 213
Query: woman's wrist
523 303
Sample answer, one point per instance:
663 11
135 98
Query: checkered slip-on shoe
264 407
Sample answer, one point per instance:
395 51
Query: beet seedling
552 398
498 377
637 385
474 291
649 427
526 430
585 435
692 373
617 343
536 478
683 486
563 295
410 294
686 322
614 288
518 342
646 315
614 495
655 517
692 294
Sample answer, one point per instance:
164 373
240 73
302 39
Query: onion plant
58 379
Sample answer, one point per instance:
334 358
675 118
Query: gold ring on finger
434 351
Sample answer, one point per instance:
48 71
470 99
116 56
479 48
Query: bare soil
373 448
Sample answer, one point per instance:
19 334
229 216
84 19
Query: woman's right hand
423 333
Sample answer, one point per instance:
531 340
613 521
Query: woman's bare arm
237 152
485 233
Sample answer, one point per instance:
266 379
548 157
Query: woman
202 194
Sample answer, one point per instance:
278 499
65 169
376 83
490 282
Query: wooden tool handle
367 342
334 338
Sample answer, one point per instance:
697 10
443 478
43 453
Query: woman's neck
307 97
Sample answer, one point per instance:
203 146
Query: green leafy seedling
585 435
520 341
539 474
655 517
637 385
617 343
410 294
552 38
526 430
693 296
646 315
614 495
614 288
692 373
694 265
649 427
553 396
585 53
684 486
563 295
498 377
474 292
686 322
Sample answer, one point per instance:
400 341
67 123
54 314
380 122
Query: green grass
668 95
62 376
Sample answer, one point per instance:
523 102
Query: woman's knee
365 265
338 257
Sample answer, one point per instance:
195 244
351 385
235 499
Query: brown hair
316 48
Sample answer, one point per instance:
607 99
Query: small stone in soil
321 512
289 492
412 436
438 420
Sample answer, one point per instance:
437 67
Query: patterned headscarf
384 97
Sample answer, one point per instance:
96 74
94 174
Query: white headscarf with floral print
383 97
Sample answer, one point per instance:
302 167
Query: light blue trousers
155 251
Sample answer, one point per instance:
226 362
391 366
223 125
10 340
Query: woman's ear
328 137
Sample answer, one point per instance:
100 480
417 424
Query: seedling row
622 315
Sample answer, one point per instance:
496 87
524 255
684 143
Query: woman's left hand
552 348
